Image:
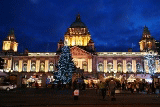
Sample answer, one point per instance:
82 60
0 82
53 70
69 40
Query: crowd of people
141 87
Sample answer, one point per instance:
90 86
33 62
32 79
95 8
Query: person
75 85
147 88
83 85
137 88
102 88
97 88
129 86
112 85
132 87
143 85
153 88
93 85
59 85
123 86
36 85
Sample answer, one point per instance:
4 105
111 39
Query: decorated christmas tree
150 58
65 66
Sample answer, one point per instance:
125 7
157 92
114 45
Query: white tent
2 74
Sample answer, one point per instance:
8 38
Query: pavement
50 97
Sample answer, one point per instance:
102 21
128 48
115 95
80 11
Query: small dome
91 41
78 23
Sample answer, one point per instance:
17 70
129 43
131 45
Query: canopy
2 74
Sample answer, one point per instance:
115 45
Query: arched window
84 66
25 66
16 66
109 67
119 67
139 67
129 67
42 66
76 63
51 67
100 67
33 66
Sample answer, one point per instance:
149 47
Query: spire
146 31
11 31
78 18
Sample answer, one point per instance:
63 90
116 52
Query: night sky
114 25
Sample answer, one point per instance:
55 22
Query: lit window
100 67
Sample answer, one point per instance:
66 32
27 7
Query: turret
147 42
10 44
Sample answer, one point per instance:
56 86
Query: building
96 65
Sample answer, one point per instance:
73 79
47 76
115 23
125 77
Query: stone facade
95 64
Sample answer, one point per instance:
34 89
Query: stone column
115 66
124 66
89 65
9 65
105 65
46 65
29 66
20 65
134 66
37 65
80 63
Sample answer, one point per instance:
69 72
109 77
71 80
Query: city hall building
95 65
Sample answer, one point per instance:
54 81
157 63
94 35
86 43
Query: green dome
78 23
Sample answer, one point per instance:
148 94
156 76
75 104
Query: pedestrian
103 89
97 88
36 85
129 86
75 85
83 85
132 88
153 88
147 89
59 85
93 85
112 86
143 85
137 87
140 86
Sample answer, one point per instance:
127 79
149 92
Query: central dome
78 23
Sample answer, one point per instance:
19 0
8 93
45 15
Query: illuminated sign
76 92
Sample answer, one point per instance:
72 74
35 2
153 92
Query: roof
78 23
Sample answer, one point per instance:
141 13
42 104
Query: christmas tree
150 58
65 66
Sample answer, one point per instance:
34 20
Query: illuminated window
119 67
109 67
76 63
51 67
84 65
100 67
139 67
25 66
42 67
129 67
33 66
16 66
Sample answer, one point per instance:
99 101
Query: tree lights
65 66
150 58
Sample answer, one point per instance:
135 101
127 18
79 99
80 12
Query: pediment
78 51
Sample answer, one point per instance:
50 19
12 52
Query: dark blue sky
113 24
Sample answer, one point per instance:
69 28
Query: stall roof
2 74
